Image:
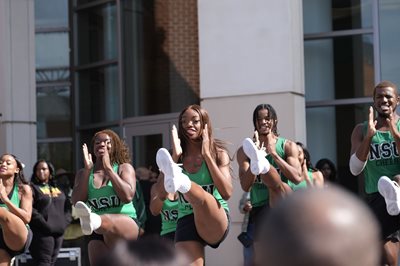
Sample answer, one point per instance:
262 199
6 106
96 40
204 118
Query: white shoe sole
83 212
251 151
391 193
165 163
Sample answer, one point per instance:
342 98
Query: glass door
145 135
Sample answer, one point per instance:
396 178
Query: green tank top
383 158
203 179
302 184
105 200
280 150
259 194
13 196
169 216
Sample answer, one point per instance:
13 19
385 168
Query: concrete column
17 80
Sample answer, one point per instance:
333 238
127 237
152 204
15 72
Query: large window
160 56
53 93
132 59
349 46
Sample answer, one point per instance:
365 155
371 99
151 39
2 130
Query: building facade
70 68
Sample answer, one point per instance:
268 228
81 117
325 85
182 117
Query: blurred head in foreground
329 227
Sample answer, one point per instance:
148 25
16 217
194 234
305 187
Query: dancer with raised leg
375 146
15 209
261 162
204 183
103 194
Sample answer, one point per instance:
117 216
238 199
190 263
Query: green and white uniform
280 150
14 197
259 194
169 216
105 200
203 179
383 158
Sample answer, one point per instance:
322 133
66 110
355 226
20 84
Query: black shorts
14 253
389 225
170 236
186 231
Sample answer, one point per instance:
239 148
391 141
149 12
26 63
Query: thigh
194 250
119 226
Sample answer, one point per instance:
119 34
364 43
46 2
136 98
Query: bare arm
290 166
80 190
221 174
157 196
24 211
360 145
124 182
318 179
247 179
392 121
304 173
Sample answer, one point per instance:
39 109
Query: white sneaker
89 221
258 163
390 190
174 179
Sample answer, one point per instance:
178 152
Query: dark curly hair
119 153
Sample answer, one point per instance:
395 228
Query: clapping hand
205 147
106 159
176 144
87 157
371 123
392 123
3 193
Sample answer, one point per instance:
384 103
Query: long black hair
19 177
320 164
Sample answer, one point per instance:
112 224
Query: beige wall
249 54
17 80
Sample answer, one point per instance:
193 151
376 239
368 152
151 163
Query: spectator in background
247 234
147 178
51 213
328 170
